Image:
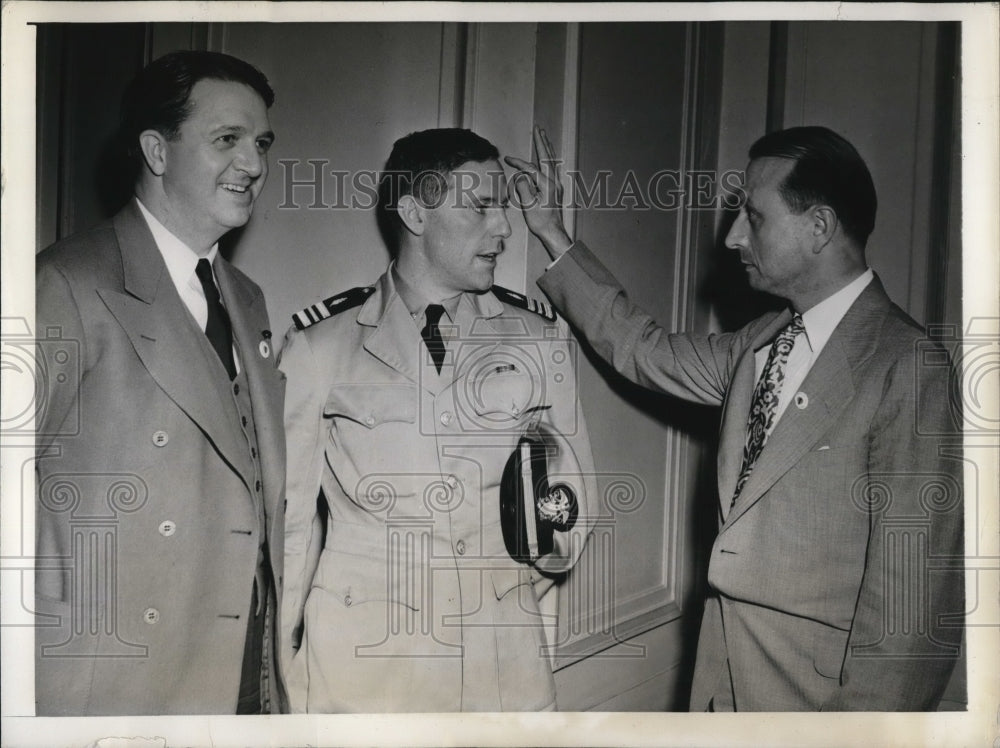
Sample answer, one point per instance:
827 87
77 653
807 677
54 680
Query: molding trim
610 618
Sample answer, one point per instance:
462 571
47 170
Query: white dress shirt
181 262
819 321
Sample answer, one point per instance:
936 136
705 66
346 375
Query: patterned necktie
765 400
432 334
218 329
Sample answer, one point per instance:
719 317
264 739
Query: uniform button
253 452
236 389
151 615
160 438
446 418
258 485
801 400
244 420
451 481
460 547
370 420
167 528
347 601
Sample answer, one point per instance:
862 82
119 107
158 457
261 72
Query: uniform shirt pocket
504 392
373 447
372 404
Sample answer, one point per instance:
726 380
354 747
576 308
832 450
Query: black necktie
432 334
218 329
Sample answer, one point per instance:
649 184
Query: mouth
491 257
236 189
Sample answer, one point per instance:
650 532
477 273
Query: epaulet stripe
523 302
335 304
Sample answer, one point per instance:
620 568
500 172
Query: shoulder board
523 302
334 305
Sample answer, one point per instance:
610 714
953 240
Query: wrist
556 242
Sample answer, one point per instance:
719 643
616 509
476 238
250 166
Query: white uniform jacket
408 599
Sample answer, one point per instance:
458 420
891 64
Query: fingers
525 188
520 164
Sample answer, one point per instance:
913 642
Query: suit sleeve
304 434
59 374
692 367
907 625
60 332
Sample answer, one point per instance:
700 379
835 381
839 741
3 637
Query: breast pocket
374 441
502 392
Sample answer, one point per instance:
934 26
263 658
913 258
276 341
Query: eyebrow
240 130
485 202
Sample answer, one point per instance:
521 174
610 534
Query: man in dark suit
840 506
160 445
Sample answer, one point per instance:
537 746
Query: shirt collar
179 258
821 320
415 301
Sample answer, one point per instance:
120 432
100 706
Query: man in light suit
836 577
410 405
160 449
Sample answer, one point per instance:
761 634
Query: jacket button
160 438
460 547
151 615
347 600
167 528
244 421
236 389
370 420
446 418
257 485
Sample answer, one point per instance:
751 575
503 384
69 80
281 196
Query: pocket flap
373 404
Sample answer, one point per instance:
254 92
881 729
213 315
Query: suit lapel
166 339
828 388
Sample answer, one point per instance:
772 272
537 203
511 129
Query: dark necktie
432 334
765 400
218 328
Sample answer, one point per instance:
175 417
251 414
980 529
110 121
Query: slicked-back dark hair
159 97
829 171
419 165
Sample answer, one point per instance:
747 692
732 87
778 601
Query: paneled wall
629 100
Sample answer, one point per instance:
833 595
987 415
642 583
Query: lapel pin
801 400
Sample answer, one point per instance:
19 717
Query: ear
412 214
154 151
824 226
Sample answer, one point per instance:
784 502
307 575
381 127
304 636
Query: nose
251 161
502 229
737 236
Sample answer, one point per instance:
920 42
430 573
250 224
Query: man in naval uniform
160 450
415 407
